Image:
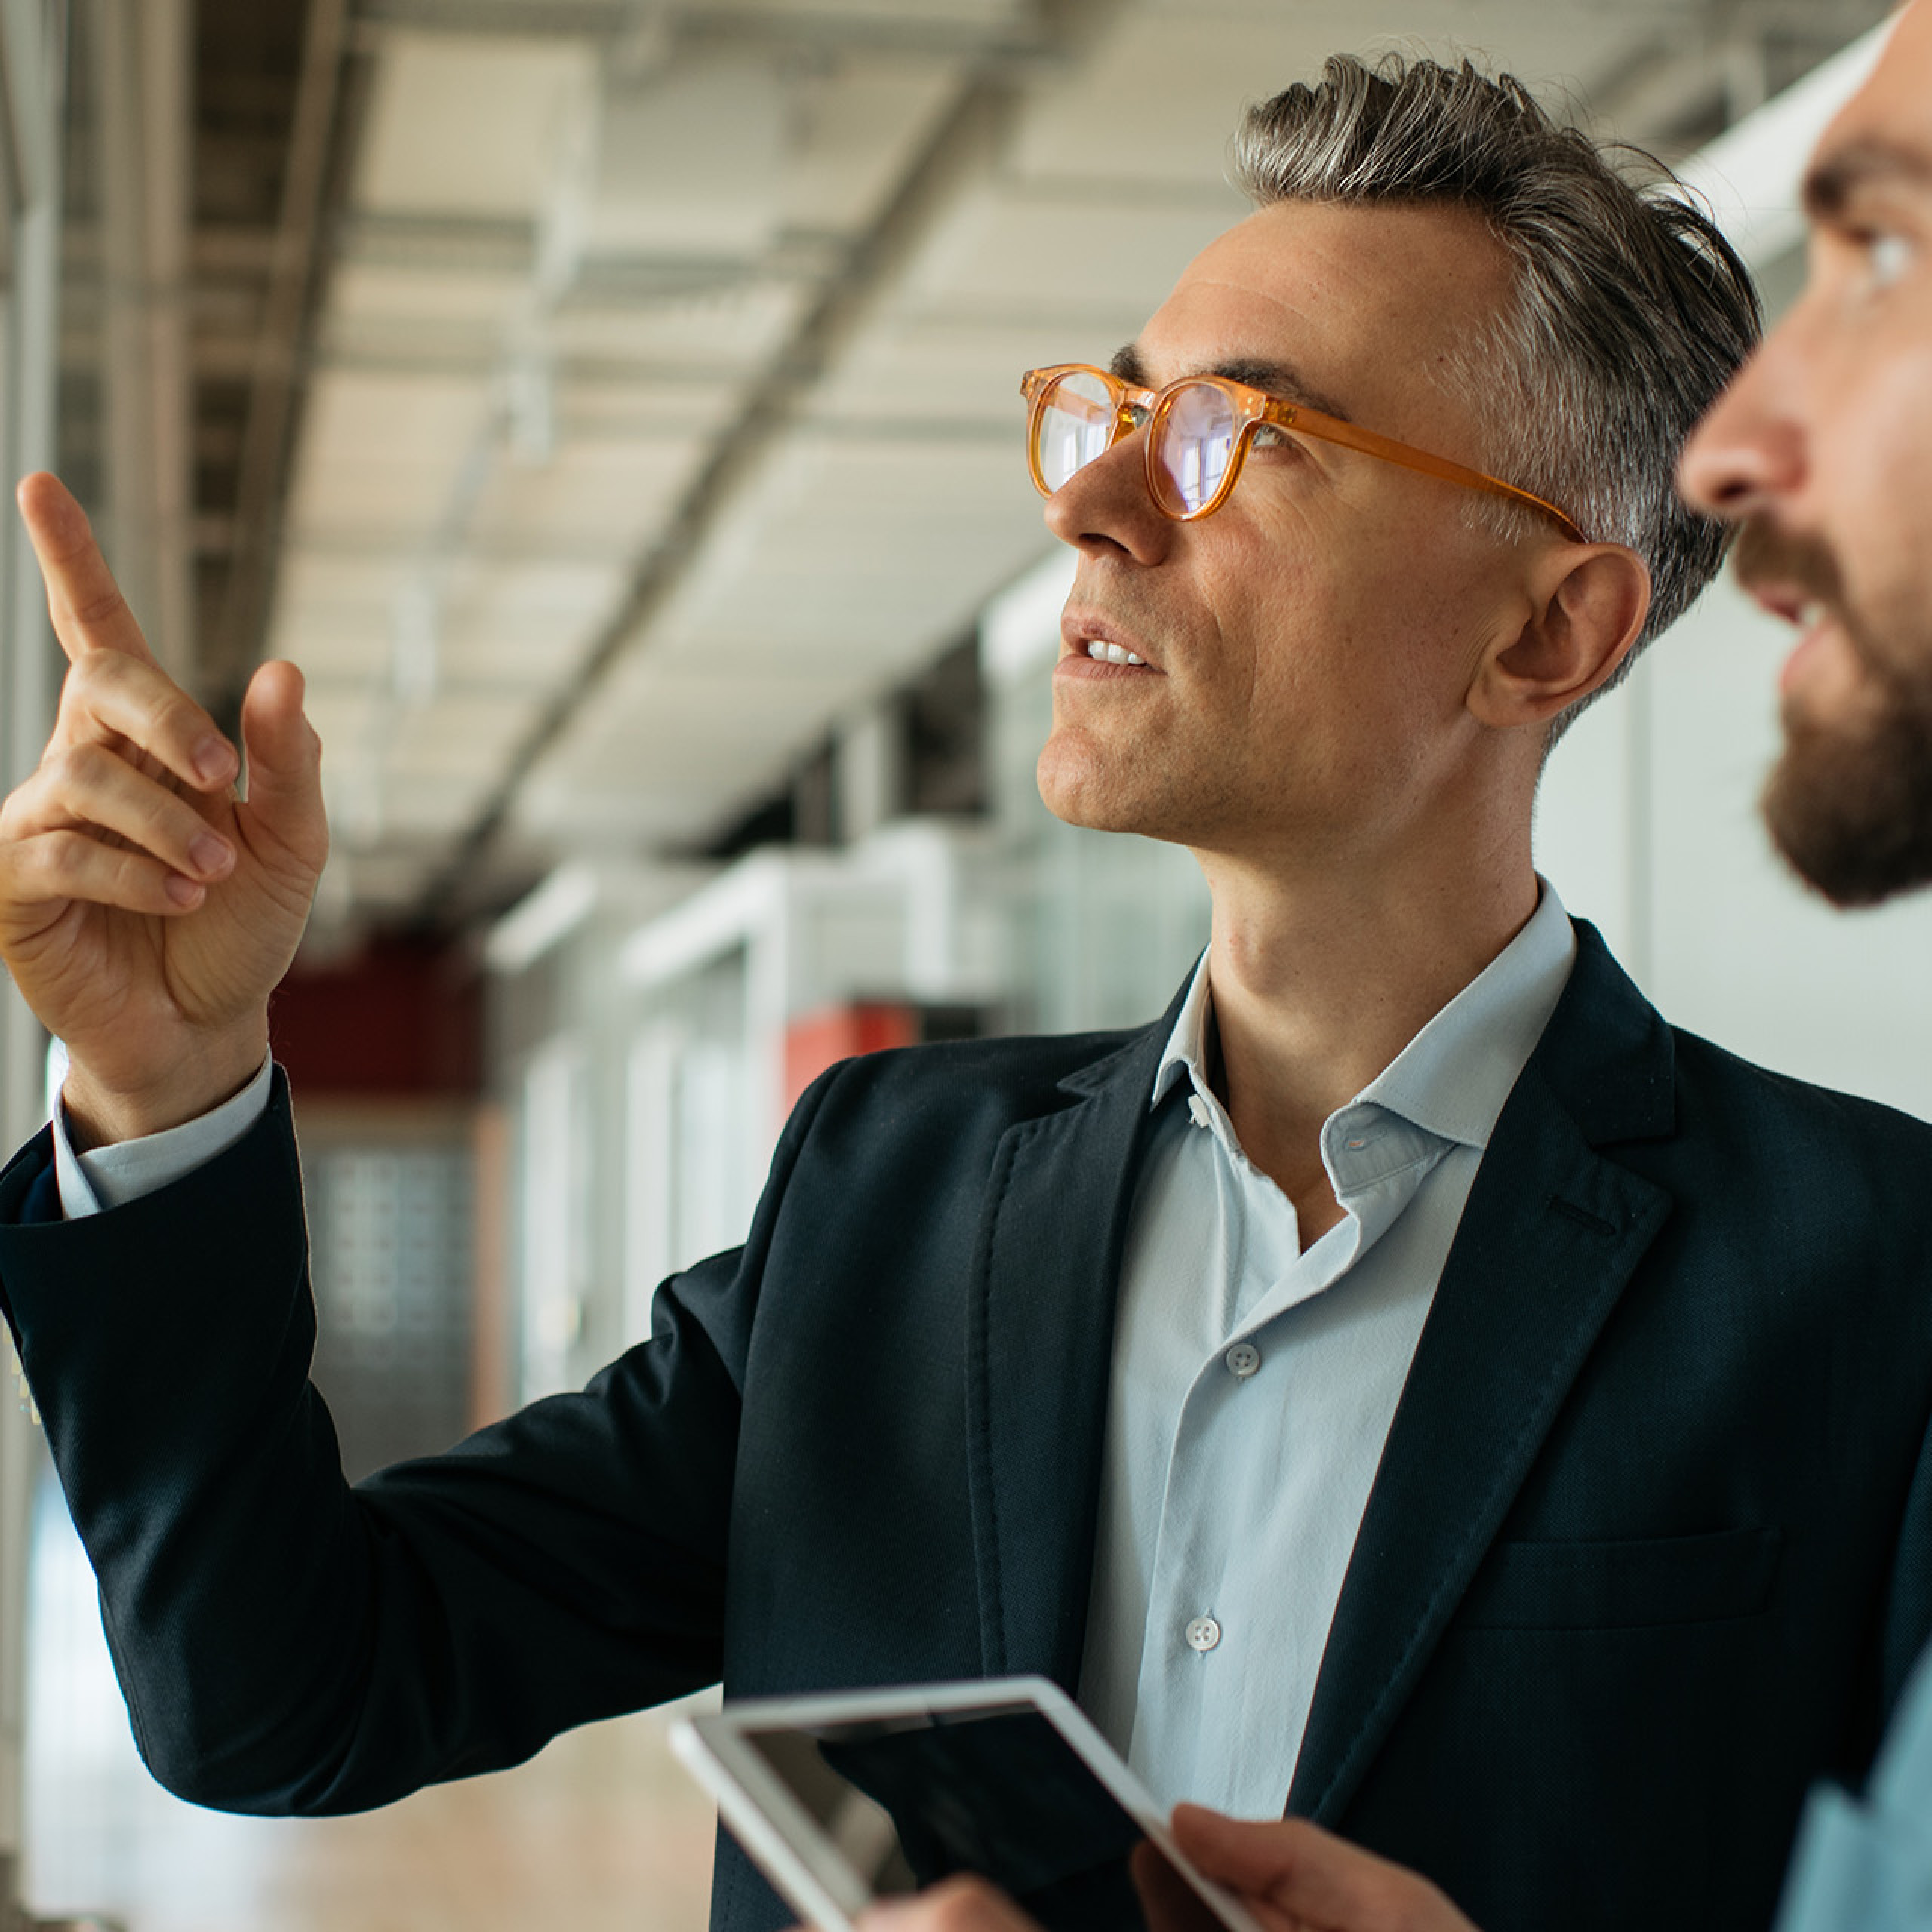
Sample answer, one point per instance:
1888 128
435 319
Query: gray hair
1631 313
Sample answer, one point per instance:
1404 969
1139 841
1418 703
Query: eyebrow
1832 183
1275 379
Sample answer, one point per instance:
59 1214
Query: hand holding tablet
843 1799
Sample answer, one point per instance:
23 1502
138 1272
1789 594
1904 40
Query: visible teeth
1111 654
1807 613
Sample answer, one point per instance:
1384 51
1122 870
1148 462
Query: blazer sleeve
288 1643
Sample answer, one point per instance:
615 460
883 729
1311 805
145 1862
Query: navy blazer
1649 1549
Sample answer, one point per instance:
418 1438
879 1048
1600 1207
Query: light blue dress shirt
111 1177
1866 1865
1255 1383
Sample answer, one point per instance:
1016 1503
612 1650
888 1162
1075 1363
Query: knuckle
178 717
72 768
65 857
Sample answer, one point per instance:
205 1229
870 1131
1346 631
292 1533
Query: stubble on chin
1849 804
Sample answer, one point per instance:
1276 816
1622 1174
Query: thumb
1253 1856
284 763
1309 1878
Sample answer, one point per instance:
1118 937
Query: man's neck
1319 984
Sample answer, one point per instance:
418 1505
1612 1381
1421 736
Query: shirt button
1242 1359
1203 1633
1197 1110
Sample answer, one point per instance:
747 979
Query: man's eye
1271 436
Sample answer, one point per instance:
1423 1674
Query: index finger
89 612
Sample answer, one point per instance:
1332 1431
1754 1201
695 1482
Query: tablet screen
995 1789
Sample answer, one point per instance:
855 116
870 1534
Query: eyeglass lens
1194 433
1194 443
1076 426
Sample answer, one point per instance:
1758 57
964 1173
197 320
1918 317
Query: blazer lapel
1551 1234
1039 1348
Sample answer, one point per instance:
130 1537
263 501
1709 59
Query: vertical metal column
32 53
142 54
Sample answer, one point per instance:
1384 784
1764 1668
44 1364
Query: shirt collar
1452 1079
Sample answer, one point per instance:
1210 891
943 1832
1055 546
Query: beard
1850 806
1849 801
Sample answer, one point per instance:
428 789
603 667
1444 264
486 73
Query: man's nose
1750 450
1105 507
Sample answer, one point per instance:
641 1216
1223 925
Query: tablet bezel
794 1851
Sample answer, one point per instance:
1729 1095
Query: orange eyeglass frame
1134 408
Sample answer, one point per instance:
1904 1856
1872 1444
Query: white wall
1648 825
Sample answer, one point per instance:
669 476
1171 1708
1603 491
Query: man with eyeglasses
1820 453
1409 1384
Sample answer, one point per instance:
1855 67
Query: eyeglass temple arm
1332 429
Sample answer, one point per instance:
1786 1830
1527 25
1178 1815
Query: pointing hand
147 907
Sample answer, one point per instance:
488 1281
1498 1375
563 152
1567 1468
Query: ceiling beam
275 387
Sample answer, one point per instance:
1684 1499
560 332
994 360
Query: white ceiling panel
470 125
380 455
670 751
1009 251
458 734
342 716
372 500
491 598
940 370
388 292
332 612
595 496
404 419
523 626
336 644
608 405
734 323
980 13
687 161
859 124
429 806
870 575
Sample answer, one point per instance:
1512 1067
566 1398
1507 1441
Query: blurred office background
612 406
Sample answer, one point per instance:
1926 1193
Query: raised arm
147 907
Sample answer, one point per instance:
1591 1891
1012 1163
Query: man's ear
1587 603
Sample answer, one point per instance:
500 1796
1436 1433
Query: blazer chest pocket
1624 1585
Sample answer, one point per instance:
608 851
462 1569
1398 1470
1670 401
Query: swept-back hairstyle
1630 310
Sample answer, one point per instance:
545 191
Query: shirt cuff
113 1176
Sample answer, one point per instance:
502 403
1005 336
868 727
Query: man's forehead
1883 138
1339 307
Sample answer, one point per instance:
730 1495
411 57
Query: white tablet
840 1799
